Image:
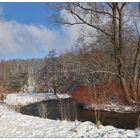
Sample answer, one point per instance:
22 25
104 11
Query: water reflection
68 109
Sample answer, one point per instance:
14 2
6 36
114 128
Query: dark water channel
68 109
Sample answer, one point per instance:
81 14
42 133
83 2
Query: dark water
68 109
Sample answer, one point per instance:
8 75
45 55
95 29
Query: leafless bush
139 121
43 110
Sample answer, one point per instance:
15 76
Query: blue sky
35 14
28 13
26 31
31 13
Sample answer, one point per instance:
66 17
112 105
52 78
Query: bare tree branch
123 4
96 11
137 57
109 5
108 72
85 22
138 33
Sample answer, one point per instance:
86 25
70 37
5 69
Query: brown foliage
2 96
102 94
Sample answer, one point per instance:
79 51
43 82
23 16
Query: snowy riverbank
27 98
113 108
13 124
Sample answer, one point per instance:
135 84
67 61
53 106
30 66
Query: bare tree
95 15
52 54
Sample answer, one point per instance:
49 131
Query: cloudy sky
26 32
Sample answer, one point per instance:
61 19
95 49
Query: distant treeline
14 73
86 65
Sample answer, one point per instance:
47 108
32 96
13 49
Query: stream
69 109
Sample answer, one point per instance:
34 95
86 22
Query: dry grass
16 108
2 97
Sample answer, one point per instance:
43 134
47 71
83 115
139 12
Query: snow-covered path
13 124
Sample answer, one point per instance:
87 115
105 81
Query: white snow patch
113 107
27 98
63 96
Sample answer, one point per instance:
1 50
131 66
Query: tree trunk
136 69
118 46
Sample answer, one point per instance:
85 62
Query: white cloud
16 38
77 30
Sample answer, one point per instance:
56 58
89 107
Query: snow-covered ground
27 98
113 107
13 124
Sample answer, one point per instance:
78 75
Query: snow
63 96
13 124
113 107
27 98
